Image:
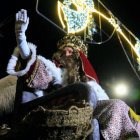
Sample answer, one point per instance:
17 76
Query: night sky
108 59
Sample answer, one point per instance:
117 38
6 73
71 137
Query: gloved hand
21 24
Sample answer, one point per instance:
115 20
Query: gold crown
73 41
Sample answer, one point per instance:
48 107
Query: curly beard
73 66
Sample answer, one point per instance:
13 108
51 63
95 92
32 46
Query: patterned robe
114 120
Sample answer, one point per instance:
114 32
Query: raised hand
21 25
22 21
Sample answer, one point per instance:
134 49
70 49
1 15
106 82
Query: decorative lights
78 16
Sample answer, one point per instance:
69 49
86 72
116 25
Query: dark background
108 59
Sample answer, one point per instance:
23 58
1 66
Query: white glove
22 21
21 24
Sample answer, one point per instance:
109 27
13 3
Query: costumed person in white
116 119
39 73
